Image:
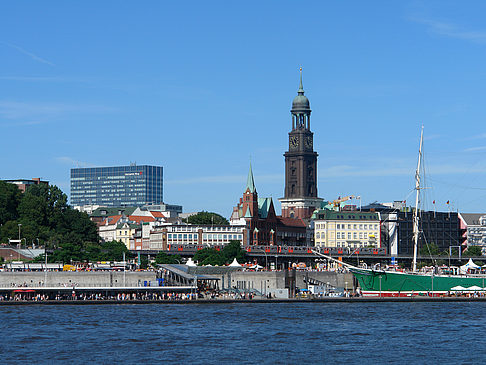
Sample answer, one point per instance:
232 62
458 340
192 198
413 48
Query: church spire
301 87
250 183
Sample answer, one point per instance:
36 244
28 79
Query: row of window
196 229
349 235
206 236
349 226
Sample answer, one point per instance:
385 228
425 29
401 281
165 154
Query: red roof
111 220
141 218
157 214
291 222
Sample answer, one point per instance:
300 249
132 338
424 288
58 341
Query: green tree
211 256
473 251
113 251
164 258
207 218
233 250
429 250
10 196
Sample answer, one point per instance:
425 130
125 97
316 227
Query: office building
117 186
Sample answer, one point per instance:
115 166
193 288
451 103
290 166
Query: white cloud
226 179
452 31
73 162
14 110
475 149
30 54
360 171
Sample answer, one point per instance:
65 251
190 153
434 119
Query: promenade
355 300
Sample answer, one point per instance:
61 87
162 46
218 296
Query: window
338 235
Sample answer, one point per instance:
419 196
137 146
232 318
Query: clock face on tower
308 142
293 142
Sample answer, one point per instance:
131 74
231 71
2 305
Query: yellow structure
125 231
346 229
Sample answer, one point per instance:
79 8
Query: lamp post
20 224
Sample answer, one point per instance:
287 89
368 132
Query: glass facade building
133 185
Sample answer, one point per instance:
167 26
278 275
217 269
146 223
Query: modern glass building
133 185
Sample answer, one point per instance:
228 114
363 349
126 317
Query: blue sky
202 87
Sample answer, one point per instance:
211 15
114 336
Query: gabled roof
110 220
291 222
264 205
138 219
472 219
157 214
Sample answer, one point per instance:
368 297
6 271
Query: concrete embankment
359 300
75 278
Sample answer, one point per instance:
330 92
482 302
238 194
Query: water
365 333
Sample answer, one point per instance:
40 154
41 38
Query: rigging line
457 185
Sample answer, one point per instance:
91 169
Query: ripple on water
244 333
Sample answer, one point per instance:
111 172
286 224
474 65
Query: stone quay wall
75 278
269 281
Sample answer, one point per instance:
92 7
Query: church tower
300 195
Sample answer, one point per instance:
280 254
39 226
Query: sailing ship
387 283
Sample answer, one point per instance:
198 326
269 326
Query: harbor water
268 333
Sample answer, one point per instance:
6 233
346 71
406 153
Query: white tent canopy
190 262
459 288
235 263
469 265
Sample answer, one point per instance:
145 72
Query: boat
389 283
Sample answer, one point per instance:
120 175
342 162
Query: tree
473 251
233 250
164 258
429 250
113 251
207 218
211 256
9 200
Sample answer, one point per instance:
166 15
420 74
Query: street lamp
20 224
266 260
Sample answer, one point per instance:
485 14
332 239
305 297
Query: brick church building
300 199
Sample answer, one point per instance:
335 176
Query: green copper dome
300 101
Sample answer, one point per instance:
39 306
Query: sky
203 88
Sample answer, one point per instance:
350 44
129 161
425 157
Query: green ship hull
396 284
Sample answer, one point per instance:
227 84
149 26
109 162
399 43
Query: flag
447 202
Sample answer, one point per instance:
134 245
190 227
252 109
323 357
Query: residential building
346 229
23 184
134 185
161 236
474 225
300 194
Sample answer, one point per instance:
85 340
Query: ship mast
415 213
